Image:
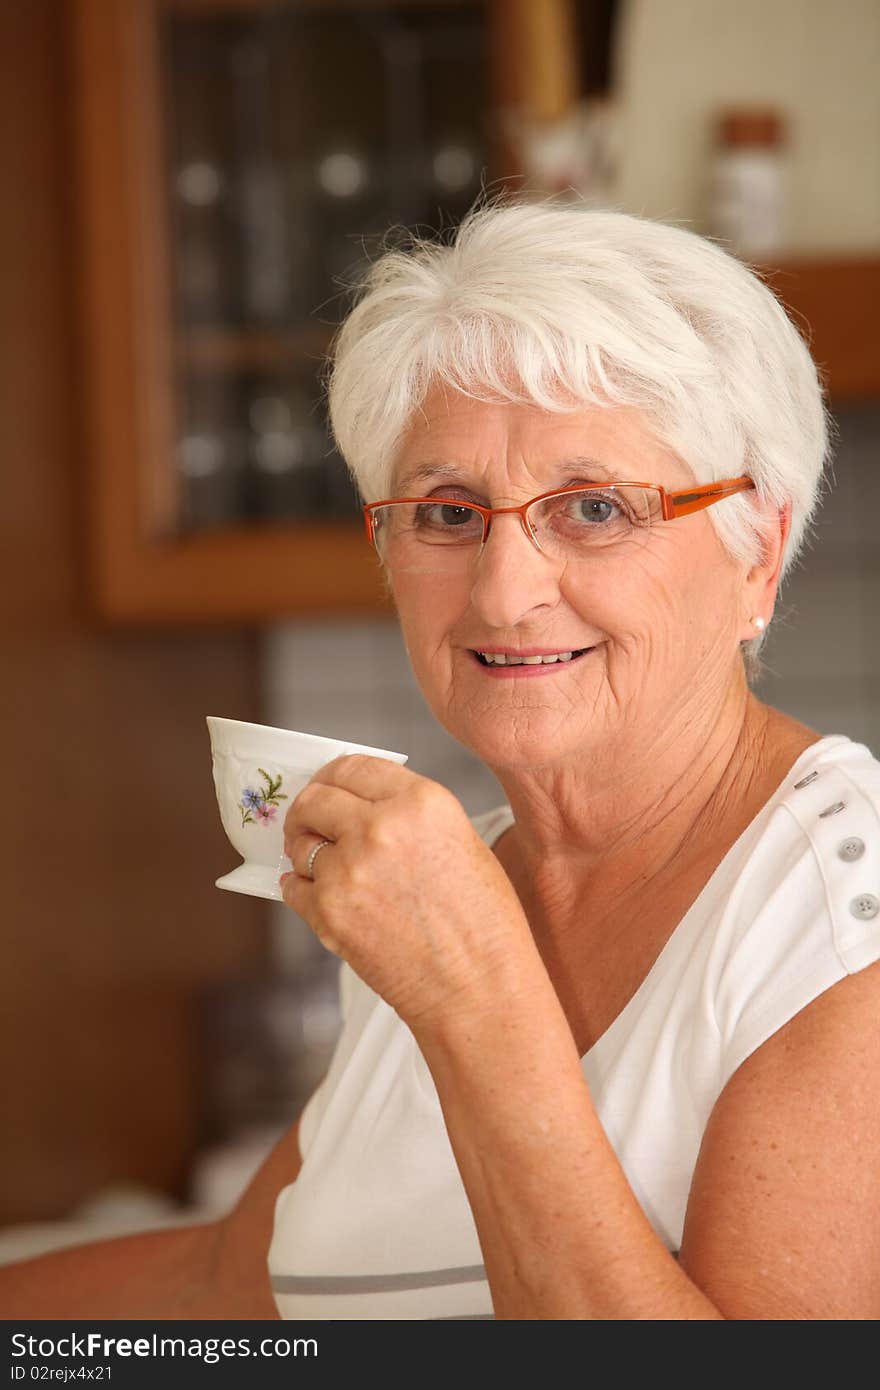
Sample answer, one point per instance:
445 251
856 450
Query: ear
762 580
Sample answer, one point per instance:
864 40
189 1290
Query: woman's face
661 618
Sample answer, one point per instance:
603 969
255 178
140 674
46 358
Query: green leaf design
272 793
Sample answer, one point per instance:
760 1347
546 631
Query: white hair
552 303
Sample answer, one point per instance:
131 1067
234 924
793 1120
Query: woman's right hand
407 892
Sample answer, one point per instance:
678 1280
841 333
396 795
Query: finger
309 854
300 849
297 885
322 810
301 867
374 779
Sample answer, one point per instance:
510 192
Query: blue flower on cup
259 805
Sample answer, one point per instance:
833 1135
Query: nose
511 576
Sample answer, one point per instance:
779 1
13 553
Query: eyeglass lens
436 535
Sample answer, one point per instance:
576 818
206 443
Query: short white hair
550 303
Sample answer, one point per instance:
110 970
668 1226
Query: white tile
357 655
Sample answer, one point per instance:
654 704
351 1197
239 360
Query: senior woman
609 1051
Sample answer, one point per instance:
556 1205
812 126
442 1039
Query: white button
851 849
865 907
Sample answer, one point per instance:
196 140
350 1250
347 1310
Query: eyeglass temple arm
686 500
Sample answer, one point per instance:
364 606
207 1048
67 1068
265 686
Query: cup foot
257 880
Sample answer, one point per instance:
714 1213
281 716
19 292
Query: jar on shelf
748 195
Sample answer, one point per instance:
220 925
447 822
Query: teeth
500 659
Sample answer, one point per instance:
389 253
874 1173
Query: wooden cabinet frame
138 569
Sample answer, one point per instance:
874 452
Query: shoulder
836 806
803 909
828 815
782 1216
783 1220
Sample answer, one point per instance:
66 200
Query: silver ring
313 854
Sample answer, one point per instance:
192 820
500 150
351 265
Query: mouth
507 663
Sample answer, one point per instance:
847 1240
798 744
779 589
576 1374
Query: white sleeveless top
377 1224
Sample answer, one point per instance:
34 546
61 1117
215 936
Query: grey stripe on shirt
376 1283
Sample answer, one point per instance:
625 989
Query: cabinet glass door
295 136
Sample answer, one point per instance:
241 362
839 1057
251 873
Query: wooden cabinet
154 356
834 303
150 352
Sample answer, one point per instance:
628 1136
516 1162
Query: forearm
165 1274
562 1234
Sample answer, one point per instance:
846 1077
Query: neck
633 812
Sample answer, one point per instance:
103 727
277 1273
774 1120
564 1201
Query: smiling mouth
559 658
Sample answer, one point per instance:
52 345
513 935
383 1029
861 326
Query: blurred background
190 190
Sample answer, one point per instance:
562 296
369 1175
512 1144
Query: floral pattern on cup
259 805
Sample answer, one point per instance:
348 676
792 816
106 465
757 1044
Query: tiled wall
352 680
823 653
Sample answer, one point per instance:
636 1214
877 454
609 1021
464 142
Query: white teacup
258 771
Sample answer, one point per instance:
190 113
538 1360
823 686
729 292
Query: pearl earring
759 623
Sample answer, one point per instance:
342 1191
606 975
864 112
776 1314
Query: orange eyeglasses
429 534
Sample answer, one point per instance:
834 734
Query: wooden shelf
834 303
245 575
243 350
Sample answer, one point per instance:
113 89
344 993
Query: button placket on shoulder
816 807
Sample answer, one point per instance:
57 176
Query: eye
444 515
596 509
588 514
446 520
